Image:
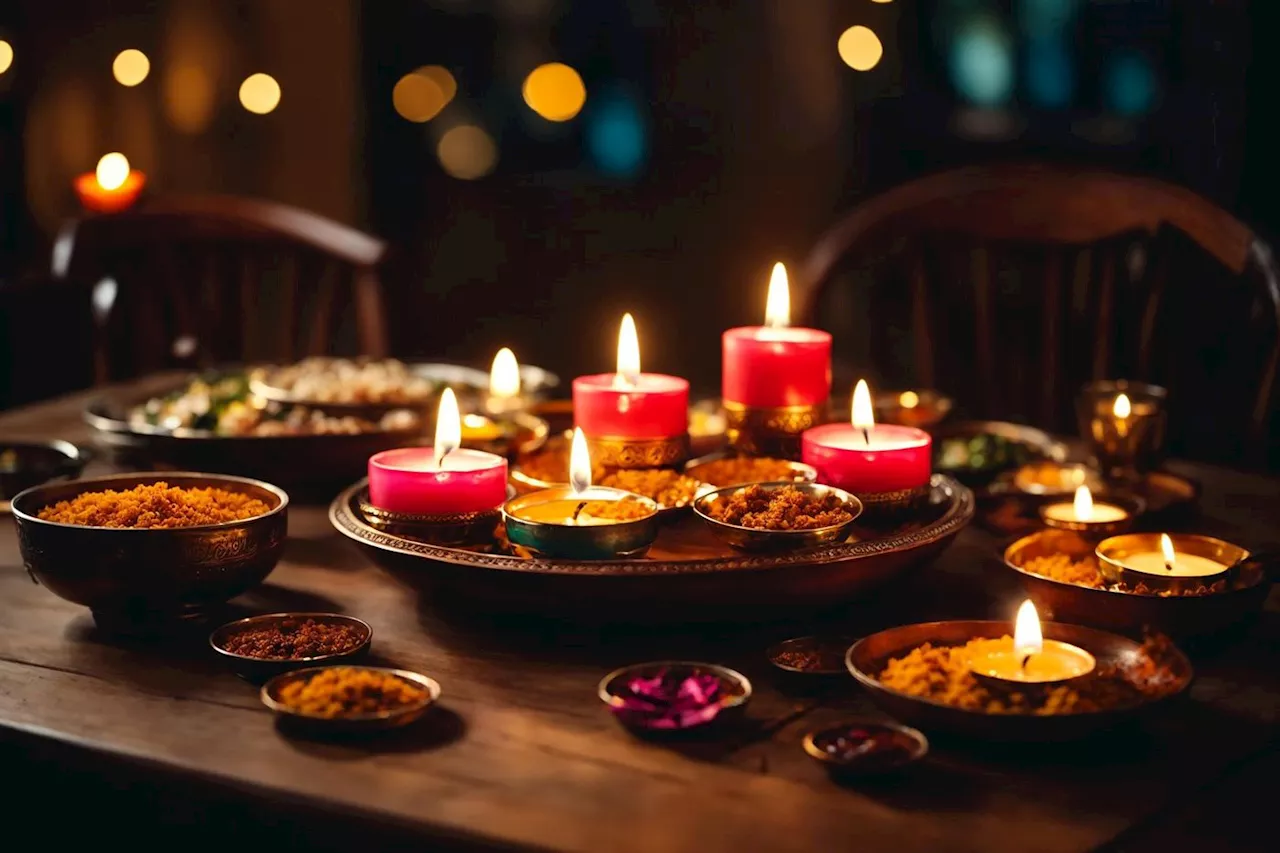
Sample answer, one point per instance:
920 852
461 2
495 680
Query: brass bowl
931 407
144 579
737 687
800 472
1112 553
1179 616
587 542
752 539
362 723
258 670
777 651
24 464
860 766
1132 505
866 659
1033 478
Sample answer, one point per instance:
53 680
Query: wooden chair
197 281
1010 286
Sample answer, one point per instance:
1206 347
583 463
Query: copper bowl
757 539
1179 616
866 659
258 670
358 724
143 579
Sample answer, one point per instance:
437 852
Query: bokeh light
6 55
616 134
1050 73
421 94
130 67
112 170
1130 84
860 48
555 91
1044 18
260 93
982 62
467 152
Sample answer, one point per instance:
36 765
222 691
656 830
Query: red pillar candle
630 404
438 480
776 365
865 458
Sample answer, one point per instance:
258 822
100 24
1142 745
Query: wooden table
523 755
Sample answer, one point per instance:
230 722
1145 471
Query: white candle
1084 509
1167 563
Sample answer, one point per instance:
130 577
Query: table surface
522 754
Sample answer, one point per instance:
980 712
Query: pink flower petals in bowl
666 697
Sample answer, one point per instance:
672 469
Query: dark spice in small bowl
863 747
811 655
260 647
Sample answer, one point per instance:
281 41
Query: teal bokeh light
1050 73
1129 84
981 62
617 134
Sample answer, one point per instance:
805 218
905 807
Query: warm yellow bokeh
130 67
555 91
112 170
6 55
466 152
860 48
260 93
440 75
417 98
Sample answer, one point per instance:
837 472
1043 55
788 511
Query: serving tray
687 574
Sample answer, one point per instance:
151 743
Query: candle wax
407 480
895 458
1184 565
773 367
1056 661
1102 512
654 406
561 512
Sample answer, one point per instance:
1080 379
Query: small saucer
890 747
361 723
735 686
821 648
258 670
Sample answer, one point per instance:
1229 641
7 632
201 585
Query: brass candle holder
770 430
557 522
612 452
1123 424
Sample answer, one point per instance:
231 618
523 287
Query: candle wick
1168 566
440 455
1026 658
578 510
866 436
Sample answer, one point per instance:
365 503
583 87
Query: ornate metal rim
958 513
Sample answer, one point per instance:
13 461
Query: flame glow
1027 639
863 415
777 306
1122 409
579 463
1084 504
1166 548
628 352
908 399
448 427
504 376
112 171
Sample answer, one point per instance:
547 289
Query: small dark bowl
873 763
361 724
736 686
27 464
867 657
258 670
145 579
753 539
811 643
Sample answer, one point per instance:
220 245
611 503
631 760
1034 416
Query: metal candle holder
770 431
1112 553
1123 447
606 541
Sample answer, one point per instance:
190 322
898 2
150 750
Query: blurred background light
1050 73
860 48
467 152
130 67
1046 18
6 55
981 61
260 93
112 170
554 91
617 133
1129 84
417 98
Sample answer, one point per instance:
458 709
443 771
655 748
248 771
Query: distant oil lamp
916 408
582 521
1085 515
504 384
1028 658
112 187
1123 422
504 427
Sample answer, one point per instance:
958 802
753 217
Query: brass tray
688 574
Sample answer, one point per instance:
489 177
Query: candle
1168 563
504 384
1029 658
1123 423
441 479
1083 509
630 404
775 364
866 458
112 187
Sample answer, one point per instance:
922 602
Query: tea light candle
863 457
1168 563
504 384
630 404
112 187
1031 659
776 364
441 479
1084 509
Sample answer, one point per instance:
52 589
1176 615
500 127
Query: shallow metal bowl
146 578
861 767
752 539
588 542
737 691
24 464
260 669
801 473
1113 551
361 723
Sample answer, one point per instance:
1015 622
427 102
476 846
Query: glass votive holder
1123 424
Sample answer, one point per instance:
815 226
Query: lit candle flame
628 353
579 463
1084 504
448 427
908 399
112 171
1166 548
504 376
1027 639
1122 409
863 415
777 306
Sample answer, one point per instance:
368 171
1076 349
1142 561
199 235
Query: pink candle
776 365
438 480
864 458
630 404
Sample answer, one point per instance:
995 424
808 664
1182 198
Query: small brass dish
1132 505
462 528
913 407
736 692
601 541
260 669
24 464
827 654
825 747
1049 477
753 539
800 472
356 724
1113 552
520 433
